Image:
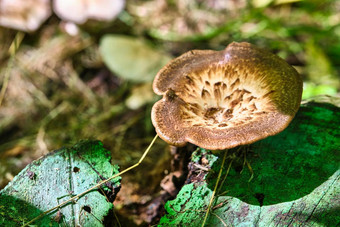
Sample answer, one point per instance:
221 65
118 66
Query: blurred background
83 69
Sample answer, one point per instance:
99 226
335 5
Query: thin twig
41 132
221 220
117 219
75 198
213 194
225 176
251 171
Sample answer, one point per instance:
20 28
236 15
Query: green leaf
296 179
55 178
311 90
131 58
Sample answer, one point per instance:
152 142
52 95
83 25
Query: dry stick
213 194
74 198
221 220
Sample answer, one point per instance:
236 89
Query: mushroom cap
25 15
221 99
79 11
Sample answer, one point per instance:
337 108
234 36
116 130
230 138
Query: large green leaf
296 179
55 178
131 58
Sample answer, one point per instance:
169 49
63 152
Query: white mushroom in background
24 15
79 11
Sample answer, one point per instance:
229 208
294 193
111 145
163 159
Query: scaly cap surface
221 99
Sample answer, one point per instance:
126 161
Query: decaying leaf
57 177
296 179
131 58
140 95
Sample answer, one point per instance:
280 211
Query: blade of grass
215 188
12 51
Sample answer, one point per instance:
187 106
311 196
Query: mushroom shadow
289 165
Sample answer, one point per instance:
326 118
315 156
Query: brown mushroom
221 99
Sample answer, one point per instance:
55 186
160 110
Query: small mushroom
79 11
222 99
25 15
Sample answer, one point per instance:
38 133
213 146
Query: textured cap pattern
221 99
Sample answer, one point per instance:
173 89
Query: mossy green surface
56 177
293 163
16 212
295 181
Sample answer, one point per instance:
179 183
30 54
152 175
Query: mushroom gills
221 100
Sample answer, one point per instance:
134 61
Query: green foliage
55 178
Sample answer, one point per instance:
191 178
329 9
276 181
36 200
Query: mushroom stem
215 188
75 198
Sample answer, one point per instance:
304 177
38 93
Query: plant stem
214 192
75 198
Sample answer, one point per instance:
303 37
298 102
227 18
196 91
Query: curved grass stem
75 198
215 188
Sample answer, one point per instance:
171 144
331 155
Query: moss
15 212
